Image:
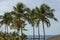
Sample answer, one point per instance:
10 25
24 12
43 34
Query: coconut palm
47 13
31 19
37 19
19 16
34 19
6 19
18 24
43 14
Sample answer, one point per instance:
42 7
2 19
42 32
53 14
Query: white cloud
7 5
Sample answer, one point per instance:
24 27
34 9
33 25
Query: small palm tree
6 19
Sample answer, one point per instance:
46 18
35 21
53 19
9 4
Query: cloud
7 5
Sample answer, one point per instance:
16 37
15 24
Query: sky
7 6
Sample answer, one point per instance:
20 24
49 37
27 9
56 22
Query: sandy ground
54 38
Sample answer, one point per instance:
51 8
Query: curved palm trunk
38 33
43 30
33 33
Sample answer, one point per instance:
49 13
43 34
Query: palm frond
56 19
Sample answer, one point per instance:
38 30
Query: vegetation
17 18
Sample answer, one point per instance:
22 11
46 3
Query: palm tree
19 16
34 19
43 14
39 17
18 24
20 10
31 19
47 13
37 20
6 20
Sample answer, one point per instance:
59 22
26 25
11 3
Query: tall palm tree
31 19
47 13
37 19
18 24
43 14
20 9
19 16
34 19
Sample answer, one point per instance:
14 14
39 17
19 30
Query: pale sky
7 5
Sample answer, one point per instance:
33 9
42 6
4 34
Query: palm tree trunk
17 31
38 33
43 30
21 33
5 32
33 33
18 34
7 29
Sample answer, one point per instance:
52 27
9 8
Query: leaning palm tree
47 13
